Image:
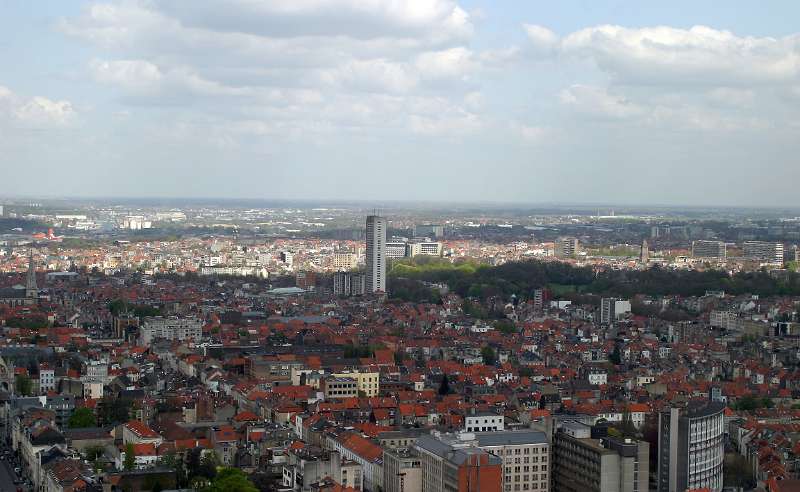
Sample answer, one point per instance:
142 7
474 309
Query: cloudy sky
589 101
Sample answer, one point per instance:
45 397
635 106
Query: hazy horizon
607 103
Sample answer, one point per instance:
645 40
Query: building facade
711 250
376 254
171 328
763 251
583 462
691 447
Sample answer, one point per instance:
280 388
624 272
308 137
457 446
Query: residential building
349 284
171 328
612 309
566 247
376 254
763 251
343 262
711 250
525 455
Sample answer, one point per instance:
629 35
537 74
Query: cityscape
382 246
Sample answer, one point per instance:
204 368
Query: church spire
31 289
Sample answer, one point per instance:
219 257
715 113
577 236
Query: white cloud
534 134
667 55
275 57
433 20
542 39
598 102
143 78
34 112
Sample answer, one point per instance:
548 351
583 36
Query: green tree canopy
82 417
23 385
130 458
489 356
230 480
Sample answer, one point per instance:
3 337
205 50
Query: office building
426 248
335 388
287 258
396 249
402 470
566 247
691 447
484 422
585 459
612 309
367 383
452 465
376 254
712 250
525 455
171 328
763 252
429 230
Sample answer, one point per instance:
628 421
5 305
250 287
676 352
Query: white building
47 379
172 328
612 309
484 422
426 248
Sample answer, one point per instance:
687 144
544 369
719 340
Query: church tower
31 290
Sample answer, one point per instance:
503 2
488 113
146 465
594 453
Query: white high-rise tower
376 254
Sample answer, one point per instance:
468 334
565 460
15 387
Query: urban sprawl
340 349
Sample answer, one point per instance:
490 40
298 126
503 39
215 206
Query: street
7 476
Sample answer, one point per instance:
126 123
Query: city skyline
686 105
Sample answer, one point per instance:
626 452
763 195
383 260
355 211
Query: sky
619 102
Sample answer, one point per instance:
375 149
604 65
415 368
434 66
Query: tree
444 386
489 355
130 458
737 471
231 480
193 462
208 465
115 410
505 326
81 418
23 385
615 357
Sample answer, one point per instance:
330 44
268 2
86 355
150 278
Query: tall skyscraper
376 254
